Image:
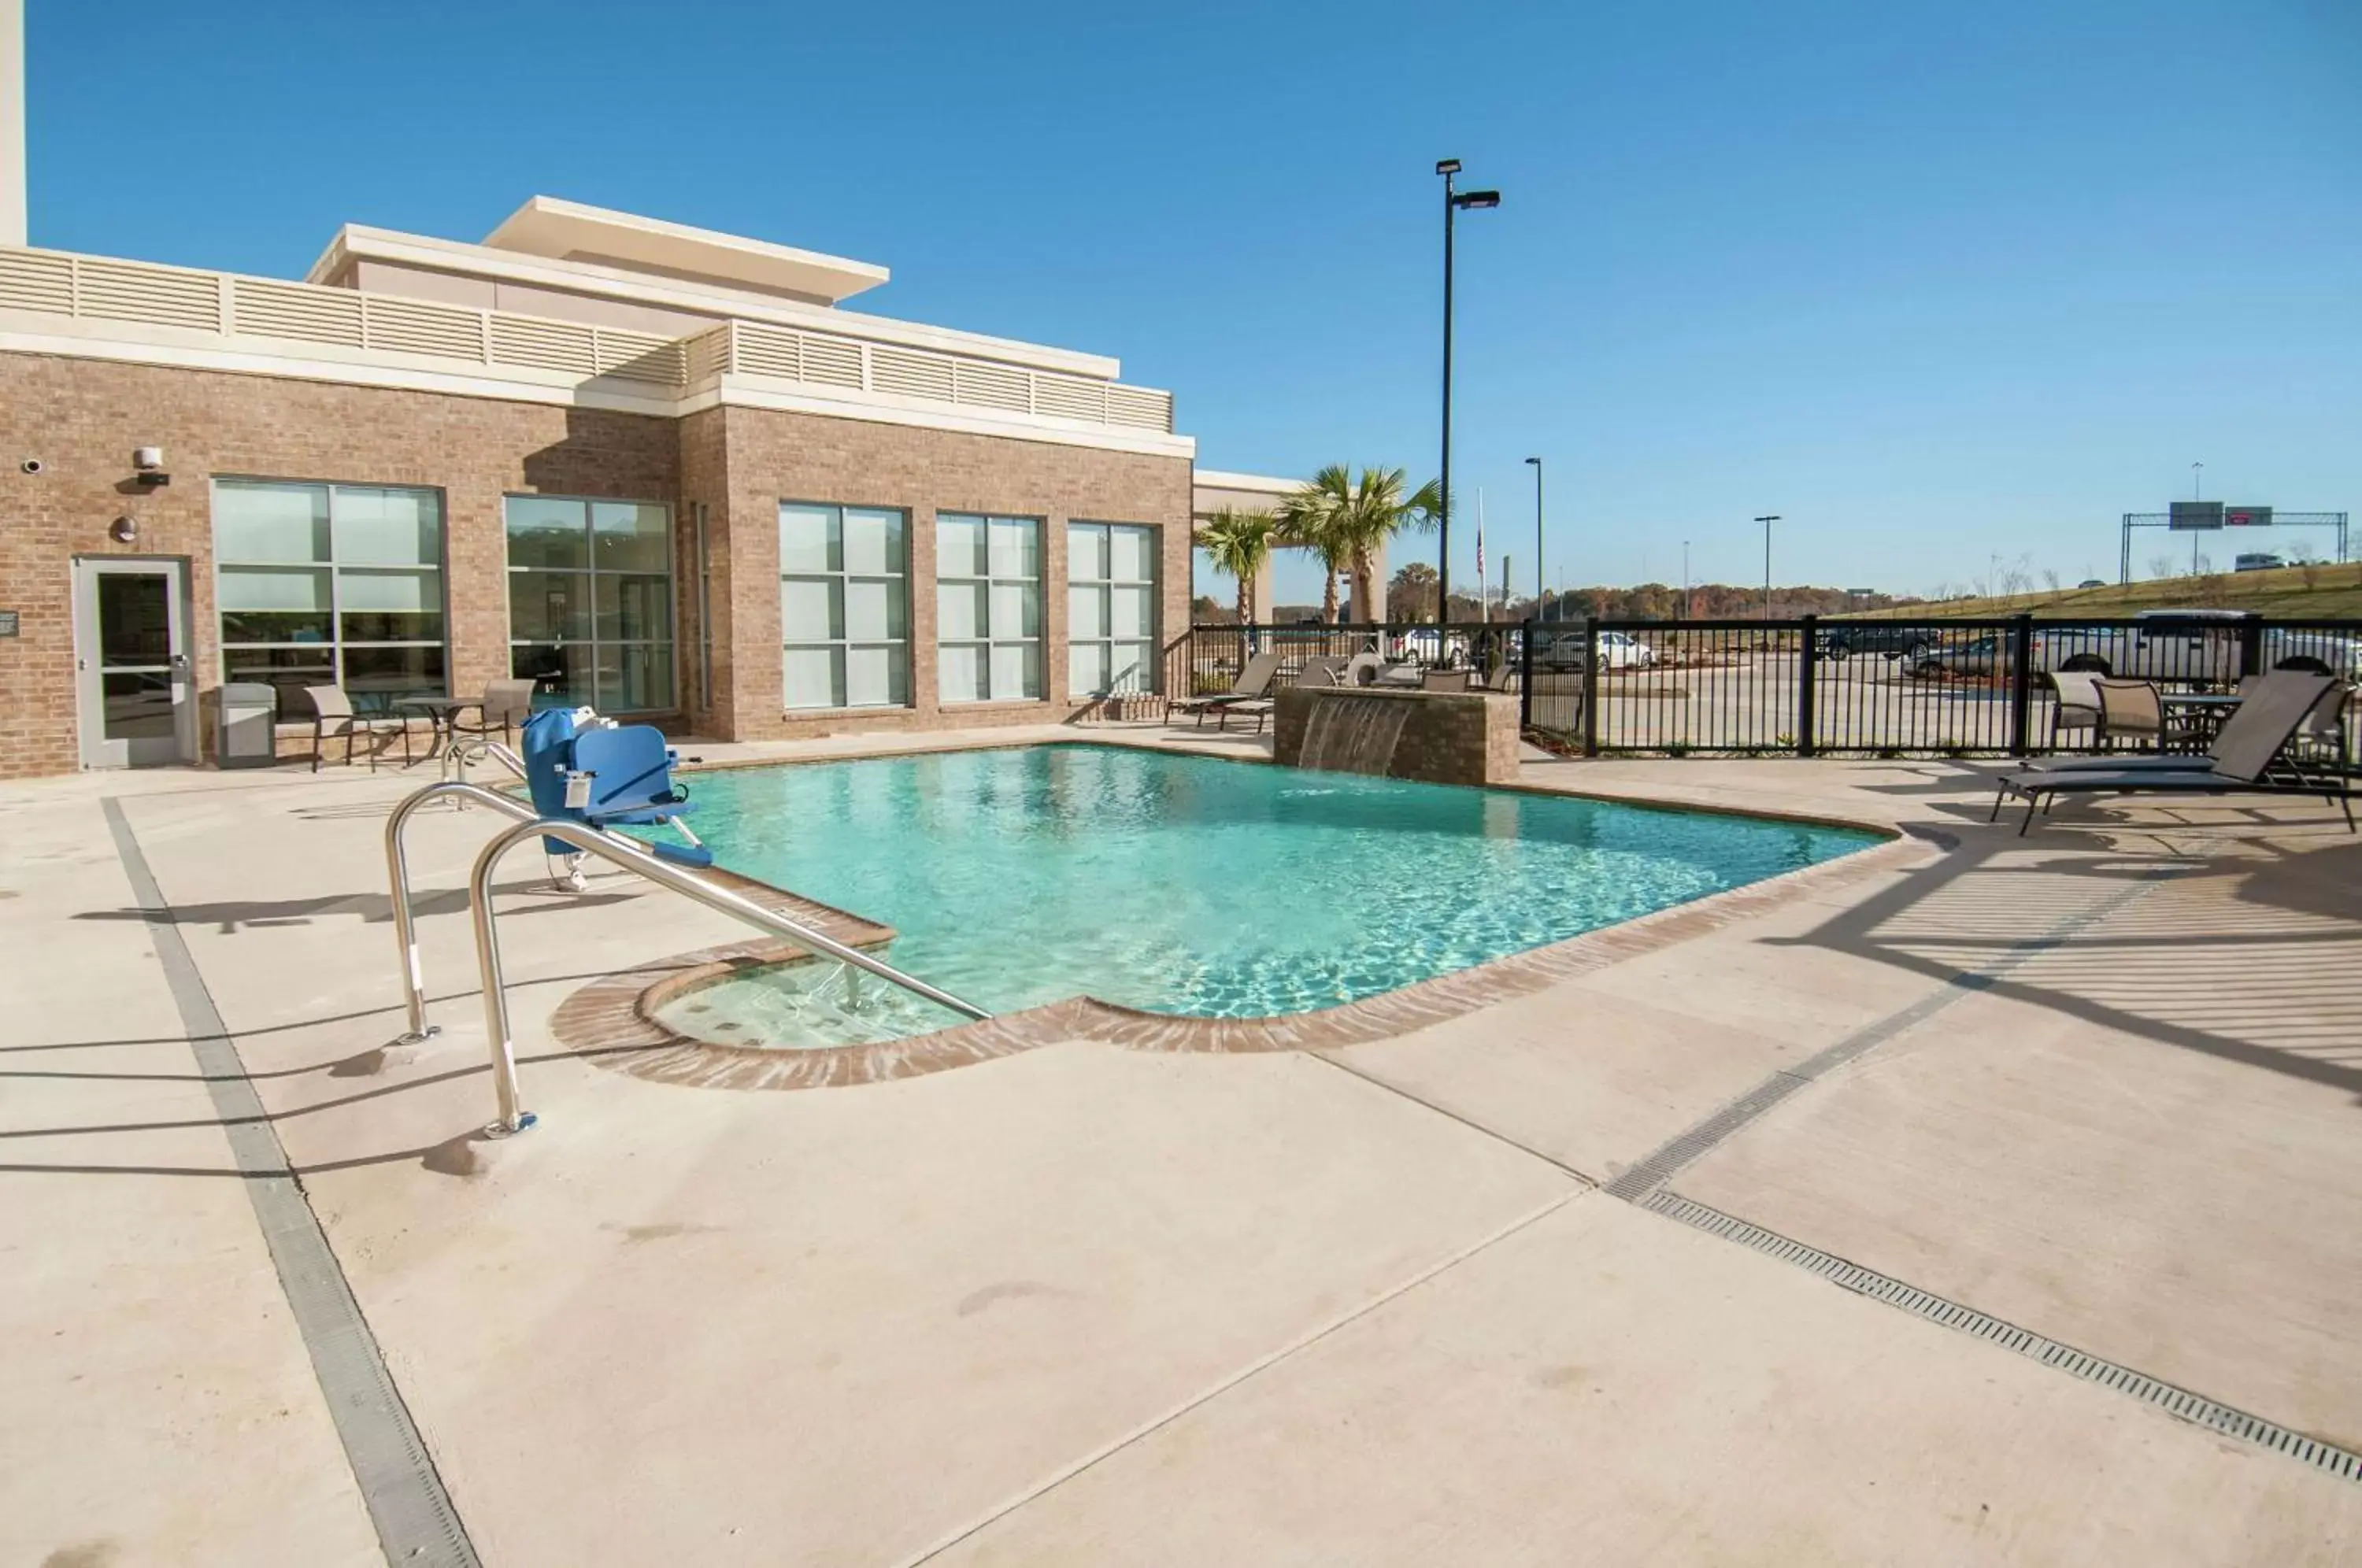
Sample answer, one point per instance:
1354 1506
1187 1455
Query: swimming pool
1184 884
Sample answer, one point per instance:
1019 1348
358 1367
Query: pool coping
612 1021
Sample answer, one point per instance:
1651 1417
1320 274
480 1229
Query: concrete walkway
1393 1303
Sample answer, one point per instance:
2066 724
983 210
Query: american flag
1480 554
1480 537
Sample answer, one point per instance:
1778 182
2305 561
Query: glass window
590 600
1110 609
989 608
330 585
845 606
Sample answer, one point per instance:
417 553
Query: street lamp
1767 523
1454 200
1541 594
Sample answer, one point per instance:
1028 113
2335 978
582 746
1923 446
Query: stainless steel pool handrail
397 873
630 857
461 754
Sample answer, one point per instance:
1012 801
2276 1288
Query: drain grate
2192 1407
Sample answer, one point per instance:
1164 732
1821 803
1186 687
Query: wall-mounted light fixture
148 466
124 530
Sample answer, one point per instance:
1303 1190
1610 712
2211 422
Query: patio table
2200 713
438 711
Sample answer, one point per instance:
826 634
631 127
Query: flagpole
1483 599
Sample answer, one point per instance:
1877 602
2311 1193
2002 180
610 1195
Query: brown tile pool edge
612 1021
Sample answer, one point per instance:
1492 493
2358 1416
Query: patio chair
2130 710
332 715
505 705
2248 748
2078 707
1443 681
1255 680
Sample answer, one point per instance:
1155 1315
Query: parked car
1847 638
2192 645
1564 650
2259 560
1987 655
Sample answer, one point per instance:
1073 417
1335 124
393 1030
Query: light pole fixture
1541 594
1767 523
1454 200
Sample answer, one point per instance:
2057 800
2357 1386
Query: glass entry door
131 663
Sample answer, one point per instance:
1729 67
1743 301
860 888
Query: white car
2192 645
1564 650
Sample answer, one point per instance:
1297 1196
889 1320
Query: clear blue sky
1936 282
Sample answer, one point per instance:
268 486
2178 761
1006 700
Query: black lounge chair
1255 680
2320 721
2242 761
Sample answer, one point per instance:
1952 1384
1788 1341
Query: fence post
2251 647
1526 675
1591 686
2020 684
1805 705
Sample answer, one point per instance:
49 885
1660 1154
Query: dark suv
1911 643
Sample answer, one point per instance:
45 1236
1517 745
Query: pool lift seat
603 774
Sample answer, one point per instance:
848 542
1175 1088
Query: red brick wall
82 417
776 456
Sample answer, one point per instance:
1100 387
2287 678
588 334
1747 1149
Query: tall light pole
1767 523
1541 593
2195 469
1454 200
1685 580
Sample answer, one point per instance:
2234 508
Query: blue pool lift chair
597 772
631 783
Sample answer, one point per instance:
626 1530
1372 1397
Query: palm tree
1239 543
1347 520
1306 521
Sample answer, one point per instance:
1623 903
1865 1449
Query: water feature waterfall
1349 733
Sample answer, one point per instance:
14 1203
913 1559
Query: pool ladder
617 851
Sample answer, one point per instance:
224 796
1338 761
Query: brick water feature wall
1440 737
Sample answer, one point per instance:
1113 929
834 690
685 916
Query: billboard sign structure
2187 514
2246 517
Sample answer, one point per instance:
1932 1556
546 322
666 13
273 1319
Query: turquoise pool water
1185 883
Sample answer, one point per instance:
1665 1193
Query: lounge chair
1255 680
1322 670
332 715
2245 752
2325 712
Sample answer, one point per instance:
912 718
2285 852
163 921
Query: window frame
591 572
844 642
986 643
1106 640
335 643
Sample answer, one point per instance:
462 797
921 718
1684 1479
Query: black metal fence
1805 686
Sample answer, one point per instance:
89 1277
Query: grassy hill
2332 592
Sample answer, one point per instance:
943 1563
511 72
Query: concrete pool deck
1415 1299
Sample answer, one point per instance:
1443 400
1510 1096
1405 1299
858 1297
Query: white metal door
131 662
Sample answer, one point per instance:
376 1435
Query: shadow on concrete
2247 950
230 916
